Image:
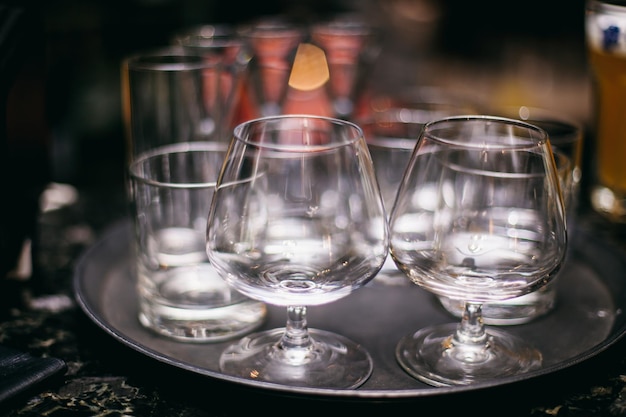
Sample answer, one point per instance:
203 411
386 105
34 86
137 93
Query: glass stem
471 331
296 335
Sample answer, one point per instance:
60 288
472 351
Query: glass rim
168 59
342 24
209 37
271 27
570 130
238 132
541 114
207 31
526 142
134 168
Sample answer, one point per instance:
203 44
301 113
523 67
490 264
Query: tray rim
122 226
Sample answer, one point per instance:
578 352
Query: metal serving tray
588 319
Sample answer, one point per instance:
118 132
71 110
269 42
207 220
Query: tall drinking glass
479 217
297 220
174 114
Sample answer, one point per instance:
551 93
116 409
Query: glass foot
332 361
432 356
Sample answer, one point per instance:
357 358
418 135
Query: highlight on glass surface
479 217
297 220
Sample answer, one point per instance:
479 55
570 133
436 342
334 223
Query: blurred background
529 52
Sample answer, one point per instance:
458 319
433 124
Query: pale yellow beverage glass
605 26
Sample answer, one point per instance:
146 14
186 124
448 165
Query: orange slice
310 68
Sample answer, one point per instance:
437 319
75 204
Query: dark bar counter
103 377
